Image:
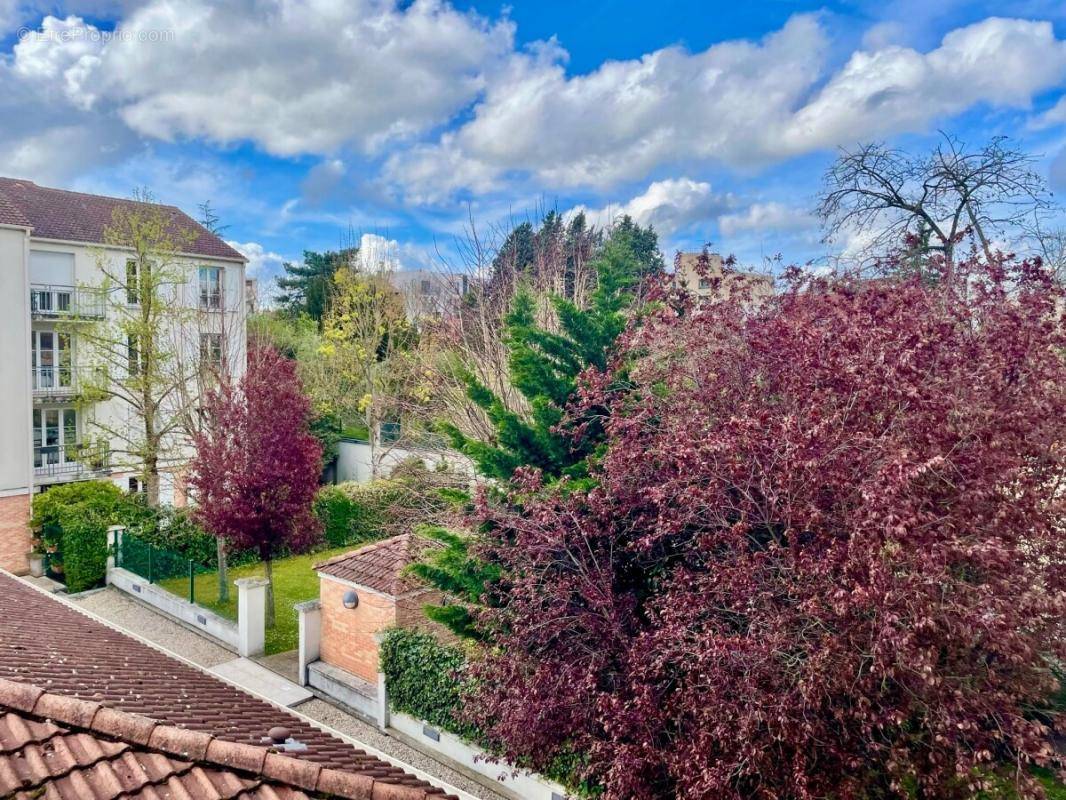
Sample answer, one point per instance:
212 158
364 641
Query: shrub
72 520
824 556
425 678
353 513
175 530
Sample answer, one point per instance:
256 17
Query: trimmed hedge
72 521
354 513
425 679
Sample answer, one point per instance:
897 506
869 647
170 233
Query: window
55 437
427 287
211 350
133 293
133 355
211 287
50 360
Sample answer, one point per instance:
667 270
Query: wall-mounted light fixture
350 600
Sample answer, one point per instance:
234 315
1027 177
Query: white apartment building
717 280
51 252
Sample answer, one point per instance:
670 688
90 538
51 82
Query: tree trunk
270 617
151 480
372 438
223 580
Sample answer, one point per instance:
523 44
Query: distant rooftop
78 217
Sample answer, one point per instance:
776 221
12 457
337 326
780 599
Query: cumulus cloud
669 205
298 77
766 217
262 264
738 103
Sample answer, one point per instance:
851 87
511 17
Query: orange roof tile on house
78 217
60 747
381 566
87 671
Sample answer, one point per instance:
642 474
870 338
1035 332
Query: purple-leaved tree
823 556
256 467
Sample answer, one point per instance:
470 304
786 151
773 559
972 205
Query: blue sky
308 122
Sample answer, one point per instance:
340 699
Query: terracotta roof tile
78 217
58 759
104 684
10 213
382 566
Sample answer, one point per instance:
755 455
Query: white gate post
310 619
383 691
114 541
251 616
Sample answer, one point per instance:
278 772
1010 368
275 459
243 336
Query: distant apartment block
51 251
427 293
718 280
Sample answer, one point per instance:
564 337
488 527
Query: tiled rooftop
78 217
59 747
46 644
381 566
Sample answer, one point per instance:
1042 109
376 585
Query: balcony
66 302
58 383
70 462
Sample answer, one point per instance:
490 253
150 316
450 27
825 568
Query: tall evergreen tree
305 288
544 367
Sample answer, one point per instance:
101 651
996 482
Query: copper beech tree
257 466
824 558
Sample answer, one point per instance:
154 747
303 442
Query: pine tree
305 288
544 367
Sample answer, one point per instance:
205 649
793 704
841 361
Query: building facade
715 280
54 260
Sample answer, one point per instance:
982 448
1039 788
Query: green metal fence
156 564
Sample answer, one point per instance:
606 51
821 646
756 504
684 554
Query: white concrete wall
527 785
219 628
15 397
353 460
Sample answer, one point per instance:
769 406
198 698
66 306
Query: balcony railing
70 461
54 381
66 301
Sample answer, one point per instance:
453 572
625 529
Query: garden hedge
72 521
425 679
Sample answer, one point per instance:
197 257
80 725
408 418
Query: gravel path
125 612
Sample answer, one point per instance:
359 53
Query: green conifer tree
544 367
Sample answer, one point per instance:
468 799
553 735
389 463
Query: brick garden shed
363 593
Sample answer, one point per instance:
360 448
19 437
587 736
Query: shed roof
382 566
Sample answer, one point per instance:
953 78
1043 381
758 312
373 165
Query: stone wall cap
307 605
250 583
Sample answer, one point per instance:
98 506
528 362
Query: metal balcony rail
66 301
55 381
72 460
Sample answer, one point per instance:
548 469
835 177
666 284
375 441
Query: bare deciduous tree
887 195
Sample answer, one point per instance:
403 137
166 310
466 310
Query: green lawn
294 582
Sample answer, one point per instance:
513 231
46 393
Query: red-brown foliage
256 467
825 556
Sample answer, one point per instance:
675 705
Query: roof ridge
5 179
366 548
201 748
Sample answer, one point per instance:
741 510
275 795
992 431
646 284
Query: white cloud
669 205
298 76
262 263
738 103
1056 115
766 217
